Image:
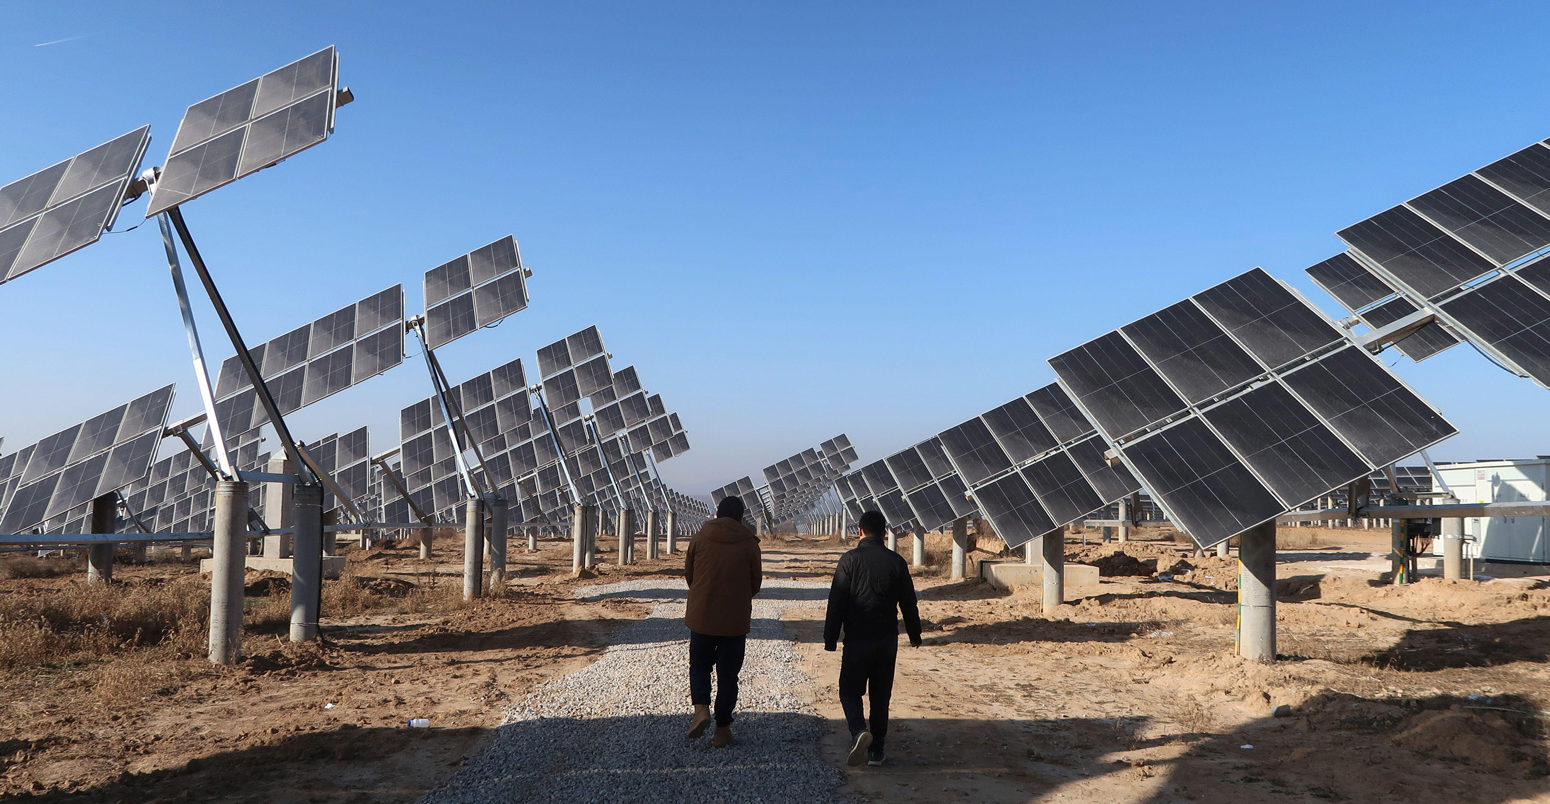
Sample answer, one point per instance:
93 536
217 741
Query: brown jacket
723 571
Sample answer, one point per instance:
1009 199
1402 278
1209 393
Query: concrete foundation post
426 534
918 547
578 538
1453 548
1053 548
1029 556
532 539
229 554
306 561
672 532
473 548
893 540
624 522
651 534
278 508
1221 548
1256 594
99 557
591 516
960 547
497 545
1123 531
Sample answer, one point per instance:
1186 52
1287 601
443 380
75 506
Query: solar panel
67 206
101 455
1013 511
1377 414
476 290
1349 281
1512 318
1018 430
1114 383
1061 488
1191 351
314 361
974 451
1251 456
248 128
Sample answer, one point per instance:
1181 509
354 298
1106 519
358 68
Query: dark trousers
866 668
726 653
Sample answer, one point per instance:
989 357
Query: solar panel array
490 406
74 466
347 460
796 484
476 290
1469 253
314 361
248 128
753 505
67 206
1241 403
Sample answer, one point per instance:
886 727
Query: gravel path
614 731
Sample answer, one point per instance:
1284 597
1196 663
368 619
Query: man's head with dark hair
872 523
731 508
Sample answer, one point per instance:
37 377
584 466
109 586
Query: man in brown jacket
723 571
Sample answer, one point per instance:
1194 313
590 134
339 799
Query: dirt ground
1433 691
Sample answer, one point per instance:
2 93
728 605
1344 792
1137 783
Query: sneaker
858 749
698 725
874 758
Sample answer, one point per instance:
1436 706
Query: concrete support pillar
1453 547
651 534
278 508
591 520
229 553
532 539
99 557
960 547
918 547
578 538
1053 548
1123 530
1030 556
306 562
1221 548
624 522
426 534
893 540
473 548
672 532
497 545
1257 594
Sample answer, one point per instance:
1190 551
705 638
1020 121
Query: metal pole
228 555
1397 549
918 547
960 547
651 534
201 374
306 562
672 532
275 419
1256 593
1123 530
99 557
473 548
578 537
1053 546
497 542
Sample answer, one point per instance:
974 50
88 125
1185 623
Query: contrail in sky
60 41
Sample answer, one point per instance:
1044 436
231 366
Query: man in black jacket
871 586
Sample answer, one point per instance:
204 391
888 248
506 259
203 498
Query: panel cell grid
1212 495
1115 384
1192 351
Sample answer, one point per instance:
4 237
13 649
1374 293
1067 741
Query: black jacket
871 586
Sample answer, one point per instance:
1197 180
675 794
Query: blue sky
795 219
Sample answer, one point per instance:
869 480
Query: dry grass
24 566
82 622
1297 539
